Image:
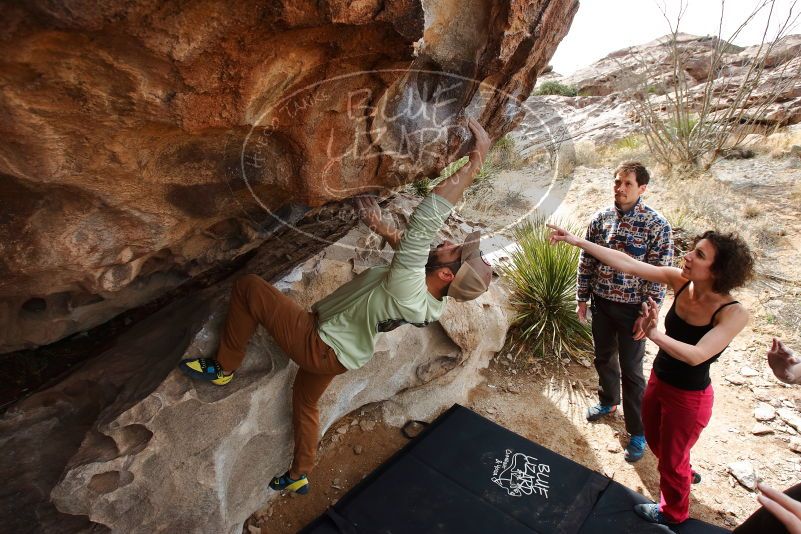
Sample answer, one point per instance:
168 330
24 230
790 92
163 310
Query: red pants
254 302
673 419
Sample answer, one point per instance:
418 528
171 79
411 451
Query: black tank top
677 373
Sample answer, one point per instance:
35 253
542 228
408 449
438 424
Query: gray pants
616 351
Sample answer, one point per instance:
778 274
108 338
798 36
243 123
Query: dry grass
538 158
765 233
704 203
565 161
506 155
514 199
752 210
559 158
707 204
587 155
777 145
629 148
681 217
795 194
482 195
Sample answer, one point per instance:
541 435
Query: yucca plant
543 280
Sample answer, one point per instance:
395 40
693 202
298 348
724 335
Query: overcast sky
603 26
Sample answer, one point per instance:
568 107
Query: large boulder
130 444
142 143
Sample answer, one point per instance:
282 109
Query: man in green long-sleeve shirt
340 332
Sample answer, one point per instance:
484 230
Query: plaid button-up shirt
643 234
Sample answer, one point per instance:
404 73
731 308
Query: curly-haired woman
702 321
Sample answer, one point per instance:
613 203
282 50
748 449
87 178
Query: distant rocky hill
602 111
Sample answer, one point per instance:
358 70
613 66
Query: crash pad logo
520 474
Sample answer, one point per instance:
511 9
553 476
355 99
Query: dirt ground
762 199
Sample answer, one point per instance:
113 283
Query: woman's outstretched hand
560 234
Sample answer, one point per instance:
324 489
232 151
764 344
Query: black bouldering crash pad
465 474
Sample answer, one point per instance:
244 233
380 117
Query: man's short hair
639 170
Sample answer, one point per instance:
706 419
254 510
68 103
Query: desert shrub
752 210
765 233
705 202
553 87
680 218
630 148
503 156
543 281
504 143
514 199
488 170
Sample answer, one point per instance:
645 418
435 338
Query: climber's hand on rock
481 143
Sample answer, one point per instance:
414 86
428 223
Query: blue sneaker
651 513
636 448
284 482
599 410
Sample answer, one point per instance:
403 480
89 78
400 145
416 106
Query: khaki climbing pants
253 302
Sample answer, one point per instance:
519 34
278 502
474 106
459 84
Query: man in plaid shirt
641 232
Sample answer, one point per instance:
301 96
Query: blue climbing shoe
599 410
651 513
635 449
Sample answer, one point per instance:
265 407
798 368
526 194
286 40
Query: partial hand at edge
786 509
784 363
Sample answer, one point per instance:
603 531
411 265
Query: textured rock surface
601 112
142 143
131 444
744 472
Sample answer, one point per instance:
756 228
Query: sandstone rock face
602 111
142 143
130 444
